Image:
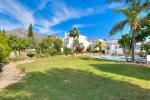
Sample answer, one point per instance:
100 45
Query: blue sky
94 18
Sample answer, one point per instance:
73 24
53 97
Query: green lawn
80 78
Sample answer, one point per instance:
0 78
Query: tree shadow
139 72
94 59
70 84
136 71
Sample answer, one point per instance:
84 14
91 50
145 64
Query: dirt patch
10 74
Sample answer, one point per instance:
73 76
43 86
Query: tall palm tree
133 19
74 33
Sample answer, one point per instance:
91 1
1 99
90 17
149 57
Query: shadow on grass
135 71
95 59
69 84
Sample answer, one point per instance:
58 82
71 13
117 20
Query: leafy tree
4 47
18 44
146 47
132 18
74 33
54 42
125 43
13 43
30 32
23 44
51 45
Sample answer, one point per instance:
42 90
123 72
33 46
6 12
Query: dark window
108 47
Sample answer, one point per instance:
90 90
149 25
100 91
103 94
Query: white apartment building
110 46
93 43
113 47
68 41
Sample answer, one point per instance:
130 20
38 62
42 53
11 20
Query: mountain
21 32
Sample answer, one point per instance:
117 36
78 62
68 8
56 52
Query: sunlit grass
80 78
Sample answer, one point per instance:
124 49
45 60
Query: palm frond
121 10
128 1
118 27
145 20
145 6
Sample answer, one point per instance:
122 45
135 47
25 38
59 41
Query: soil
10 74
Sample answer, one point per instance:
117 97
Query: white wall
68 41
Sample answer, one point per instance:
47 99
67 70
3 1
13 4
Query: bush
4 48
31 53
89 49
141 54
80 49
53 52
67 51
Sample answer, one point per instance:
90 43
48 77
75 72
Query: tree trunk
73 47
19 53
100 52
126 54
133 47
15 51
93 52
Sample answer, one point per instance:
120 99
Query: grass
80 78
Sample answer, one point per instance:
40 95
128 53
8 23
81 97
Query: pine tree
30 33
4 31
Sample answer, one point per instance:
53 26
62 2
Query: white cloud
42 4
18 11
62 13
82 25
47 30
7 25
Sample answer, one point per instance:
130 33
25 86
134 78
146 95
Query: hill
21 32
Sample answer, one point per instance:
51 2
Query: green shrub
53 52
89 49
141 54
80 49
67 51
31 53
4 48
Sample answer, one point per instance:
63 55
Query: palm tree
99 46
125 43
74 33
133 19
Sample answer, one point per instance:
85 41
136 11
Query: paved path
10 74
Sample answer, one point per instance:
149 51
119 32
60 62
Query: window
116 47
108 47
